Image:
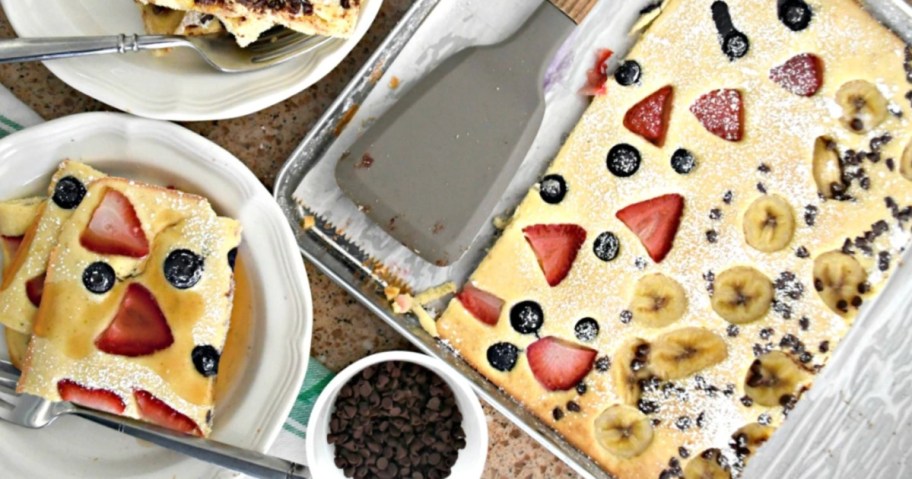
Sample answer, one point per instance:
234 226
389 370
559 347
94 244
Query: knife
431 170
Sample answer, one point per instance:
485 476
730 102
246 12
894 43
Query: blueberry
69 192
606 246
502 356
683 161
206 359
183 268
628 73
527 317
99 277
623 160
735 45
232 258
586 329
553 189
795 14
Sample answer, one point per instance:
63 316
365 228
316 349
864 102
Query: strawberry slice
722 113
115 228
483 305
34 289
11 244
556 247
655 222
558 364
156 411
649 117
801 74
139 328
598 74
100 399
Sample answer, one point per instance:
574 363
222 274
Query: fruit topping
685 351
747 439
863 106
527 317
709 464
183 268
840 280
503 356
481 304
555 247
598 74
557 364
553 189
742 294
99 277
771 377
658 301
606 246
34 289
586 329
115 228
801 75
655 222
206 359
99 399
795 14
721 112
623 160
769 224
623 431
683 161
649 117
12 244
628 73
735 44
232 258
157 412
139 328
827 169
631 370
68 193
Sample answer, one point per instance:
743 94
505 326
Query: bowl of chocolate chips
397 415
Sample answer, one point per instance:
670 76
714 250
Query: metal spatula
431 170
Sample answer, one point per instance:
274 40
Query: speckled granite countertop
343 330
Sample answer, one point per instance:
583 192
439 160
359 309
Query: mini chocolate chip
727 197
715 214
761 188
765 419
557 413
747 401
712 236
733 331
683 452
763 168
806 357
805 323
581 388
573 407
603 364
802 252
626 316
824 346
683 423
891 164
647 407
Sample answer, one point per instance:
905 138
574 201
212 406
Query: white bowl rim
458 384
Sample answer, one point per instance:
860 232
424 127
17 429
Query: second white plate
178 86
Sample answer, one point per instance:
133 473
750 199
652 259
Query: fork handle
38 49
240 460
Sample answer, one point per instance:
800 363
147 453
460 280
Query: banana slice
630 368
840 280
708 465
623 431
742 294
748 439
827 168
658 301
863 106
769 223
771 377
905 163
680 353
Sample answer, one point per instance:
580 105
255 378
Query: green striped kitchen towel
14 116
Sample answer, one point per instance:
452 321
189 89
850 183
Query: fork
35 413
219 51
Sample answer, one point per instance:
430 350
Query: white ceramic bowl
254 410
471 460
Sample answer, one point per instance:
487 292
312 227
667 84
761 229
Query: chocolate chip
824 347
747 401
712 236
805 323
810 214
891 164
573 406
626 316
715 214
557 414
802 252
733 331
761 188
603 364
727 197
581 388
683 452
883 261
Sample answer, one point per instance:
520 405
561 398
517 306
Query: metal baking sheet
349 253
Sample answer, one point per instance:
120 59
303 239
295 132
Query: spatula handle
575 9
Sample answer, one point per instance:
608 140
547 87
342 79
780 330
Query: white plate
264 392
178 86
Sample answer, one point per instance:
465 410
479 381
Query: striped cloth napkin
14 116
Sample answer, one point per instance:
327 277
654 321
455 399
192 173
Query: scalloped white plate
264 391
177 86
